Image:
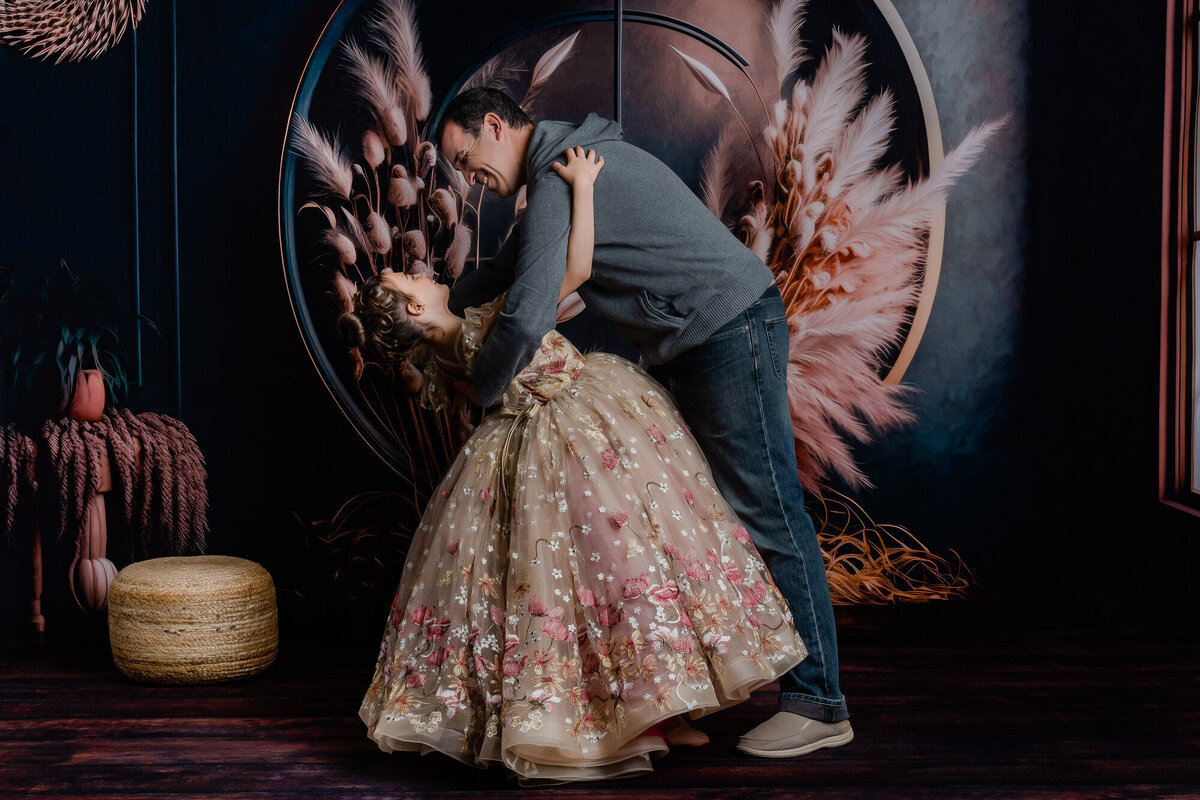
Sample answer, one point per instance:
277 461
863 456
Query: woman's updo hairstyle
379 325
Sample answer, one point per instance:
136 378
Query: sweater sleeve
533 299
488 280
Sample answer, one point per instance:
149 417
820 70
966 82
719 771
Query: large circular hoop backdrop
662 106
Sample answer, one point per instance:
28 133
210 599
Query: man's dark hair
468 108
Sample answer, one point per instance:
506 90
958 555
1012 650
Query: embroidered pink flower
673 551
437 630
497 615
688 496
754 596
591 663
712 557
618 519
511 643
741 534
415 679
539 607
634 587
485 494
684 644
697 571
609 615
436 658
445 493
556 629
665 594
732 574
556 366
512 668
452 546
656 435
610 458
586 597
420 614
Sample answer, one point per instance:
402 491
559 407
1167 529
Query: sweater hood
551 138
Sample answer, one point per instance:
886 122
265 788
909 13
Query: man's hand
467 389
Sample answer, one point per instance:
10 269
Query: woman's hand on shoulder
581 168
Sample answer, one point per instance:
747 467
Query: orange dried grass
875 564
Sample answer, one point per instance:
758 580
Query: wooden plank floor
943 706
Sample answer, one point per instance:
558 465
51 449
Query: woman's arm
580 172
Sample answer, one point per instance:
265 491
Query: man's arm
489 279
530 306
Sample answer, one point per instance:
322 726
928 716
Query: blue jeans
732 392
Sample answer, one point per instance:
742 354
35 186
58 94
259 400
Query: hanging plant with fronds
846 240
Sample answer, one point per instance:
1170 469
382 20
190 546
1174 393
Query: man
708 320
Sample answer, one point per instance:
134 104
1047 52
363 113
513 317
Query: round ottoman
194 619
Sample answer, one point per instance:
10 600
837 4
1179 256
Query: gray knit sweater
666 272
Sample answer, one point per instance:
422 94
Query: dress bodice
556 363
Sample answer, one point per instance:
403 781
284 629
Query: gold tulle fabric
576 579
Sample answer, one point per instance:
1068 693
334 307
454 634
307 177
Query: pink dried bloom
344 290
443 205
379 233
373 150
413 243
456 253
426 157
343 246
401 191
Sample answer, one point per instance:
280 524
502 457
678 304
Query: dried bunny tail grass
869 563
67 30
717 172
395 30
329 165
500 72
378 88
551 60
456 253
783 26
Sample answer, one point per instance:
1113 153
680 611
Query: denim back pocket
777 343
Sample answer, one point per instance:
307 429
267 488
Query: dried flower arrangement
67 30
398 205
844 237
846 240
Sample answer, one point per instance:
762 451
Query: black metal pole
618 24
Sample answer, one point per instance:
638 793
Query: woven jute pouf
194 619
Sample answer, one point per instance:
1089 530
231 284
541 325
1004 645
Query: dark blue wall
1035 456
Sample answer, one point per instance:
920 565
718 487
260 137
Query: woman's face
424 292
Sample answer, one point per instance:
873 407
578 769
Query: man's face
488 158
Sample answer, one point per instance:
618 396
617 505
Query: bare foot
681 734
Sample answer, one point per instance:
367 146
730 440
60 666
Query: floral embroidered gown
575 579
